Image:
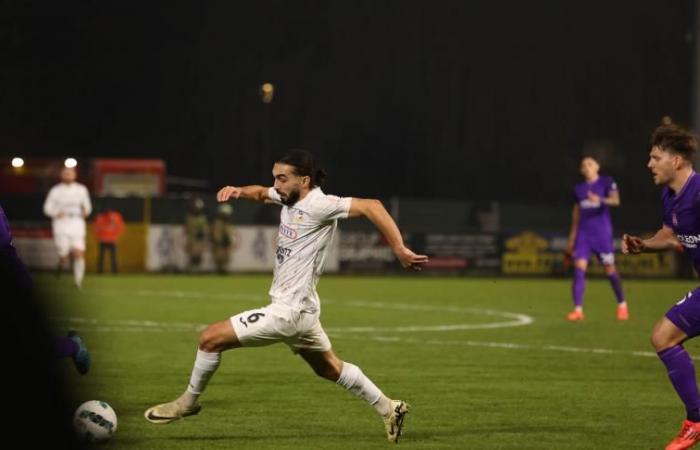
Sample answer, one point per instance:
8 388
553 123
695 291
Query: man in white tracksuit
68 204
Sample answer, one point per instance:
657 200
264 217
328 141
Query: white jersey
68 204
305 233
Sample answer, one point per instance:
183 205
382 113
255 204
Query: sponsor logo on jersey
288 232
588 203
282 253
295 215
689 240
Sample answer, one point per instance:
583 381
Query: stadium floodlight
17 162
70 162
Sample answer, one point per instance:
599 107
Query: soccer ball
94 421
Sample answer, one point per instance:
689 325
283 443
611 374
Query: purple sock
65 347
681 372
579 286
616 283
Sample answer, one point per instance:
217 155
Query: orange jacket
109 226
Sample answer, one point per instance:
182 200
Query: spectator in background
68 204
109 227
197 231
221 241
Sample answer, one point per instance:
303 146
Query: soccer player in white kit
68 204
307 224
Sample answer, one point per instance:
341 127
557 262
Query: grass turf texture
549 384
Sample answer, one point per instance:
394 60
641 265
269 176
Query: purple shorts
602 248
686 313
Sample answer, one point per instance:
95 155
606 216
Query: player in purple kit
13 268
670 161
33 382
591 231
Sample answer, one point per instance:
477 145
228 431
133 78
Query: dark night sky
461 99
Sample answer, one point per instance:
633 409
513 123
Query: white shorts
69 234
279 323
66 242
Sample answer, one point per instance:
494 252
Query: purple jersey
682 215
5 235
594 217
9 260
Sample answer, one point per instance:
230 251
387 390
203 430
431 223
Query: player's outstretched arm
254 192
374 210
664 239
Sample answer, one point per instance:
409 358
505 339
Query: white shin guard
204 367
352 379
78 271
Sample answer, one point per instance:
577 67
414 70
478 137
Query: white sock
352 379
205 364
78 271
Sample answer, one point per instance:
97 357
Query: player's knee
660 341
209 340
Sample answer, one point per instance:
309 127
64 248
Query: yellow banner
131 250
528 254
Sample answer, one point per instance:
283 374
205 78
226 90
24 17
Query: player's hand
227 193
410 260
632 244
569 247
593 197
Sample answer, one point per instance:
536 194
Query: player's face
589 168
663 165
68 175
288 184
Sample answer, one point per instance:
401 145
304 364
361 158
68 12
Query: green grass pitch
485 363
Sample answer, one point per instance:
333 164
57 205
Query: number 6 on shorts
251 318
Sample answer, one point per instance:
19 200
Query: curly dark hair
304 165
674 138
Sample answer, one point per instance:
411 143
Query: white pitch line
128 325
503 345
516 320
136 326
189 295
